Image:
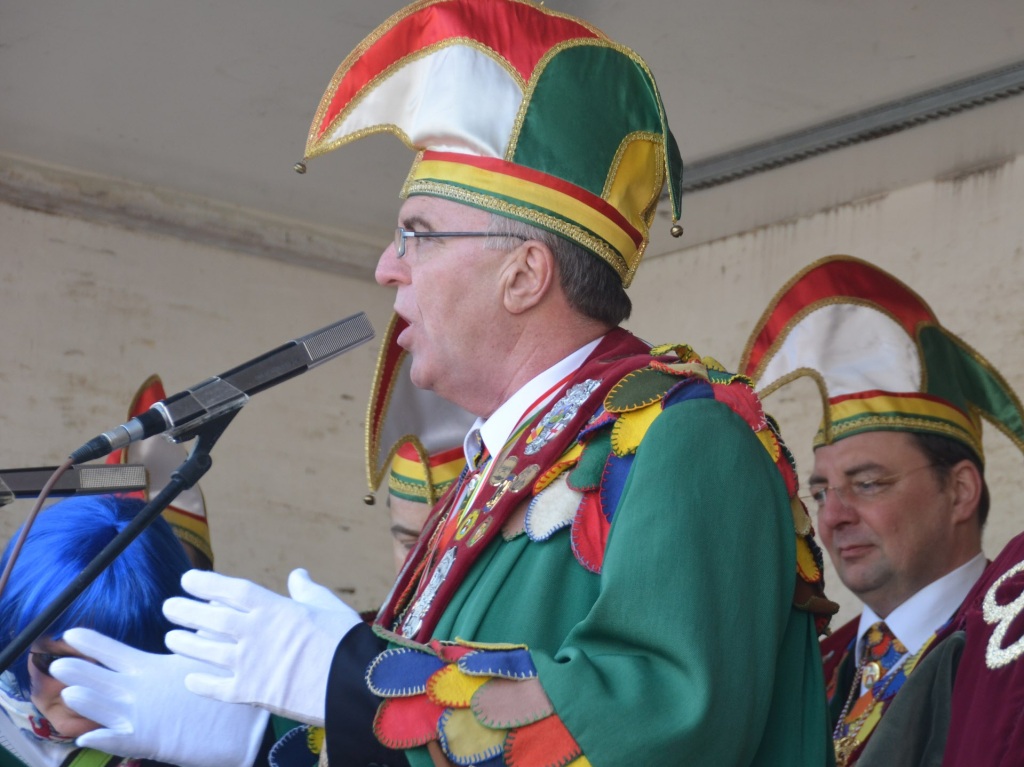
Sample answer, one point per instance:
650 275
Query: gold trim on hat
555 224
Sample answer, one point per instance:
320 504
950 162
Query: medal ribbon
486 468
472 513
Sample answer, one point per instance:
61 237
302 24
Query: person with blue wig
37 729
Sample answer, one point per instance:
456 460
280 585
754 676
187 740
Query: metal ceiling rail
856 128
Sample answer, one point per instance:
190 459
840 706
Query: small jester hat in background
187 514
415 431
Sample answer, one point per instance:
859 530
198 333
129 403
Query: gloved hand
276 651
145 711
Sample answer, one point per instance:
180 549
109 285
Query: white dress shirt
495 431
914 621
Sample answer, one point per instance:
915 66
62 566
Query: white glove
277 651
145 711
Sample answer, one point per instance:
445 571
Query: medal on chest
476 508
491 493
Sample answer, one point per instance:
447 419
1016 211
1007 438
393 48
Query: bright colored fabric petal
697 367
568 459
407 722
590 533
741 398
771 444
505 703
631 427
600 419
590 467
508 664
299 746
684 352
801 519
616 474
546 743
640 389
552 509
465 740
401 672
450 652
805 561
450 687
787 468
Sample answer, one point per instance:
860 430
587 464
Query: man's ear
527 276
965 482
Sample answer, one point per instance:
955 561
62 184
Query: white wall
958 243
88 311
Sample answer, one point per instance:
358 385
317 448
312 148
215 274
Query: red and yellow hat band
888 411
423 480
535 197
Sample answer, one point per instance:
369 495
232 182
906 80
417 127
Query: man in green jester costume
623 574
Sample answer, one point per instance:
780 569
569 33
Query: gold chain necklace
845 745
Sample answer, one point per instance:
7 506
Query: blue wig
124 602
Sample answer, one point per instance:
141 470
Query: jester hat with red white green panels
514 108
879 357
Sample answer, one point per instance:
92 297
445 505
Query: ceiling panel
212 100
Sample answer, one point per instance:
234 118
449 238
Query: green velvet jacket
686 648
683 644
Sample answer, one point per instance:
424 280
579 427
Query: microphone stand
184 477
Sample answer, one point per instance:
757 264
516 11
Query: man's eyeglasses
42 660
857 491
402 234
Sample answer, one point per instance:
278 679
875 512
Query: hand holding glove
275 651
145 711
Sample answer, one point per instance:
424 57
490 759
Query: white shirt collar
495 431
914 621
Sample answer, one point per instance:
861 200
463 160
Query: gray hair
590 285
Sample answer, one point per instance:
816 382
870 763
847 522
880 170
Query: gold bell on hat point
369 499
300 167
676 230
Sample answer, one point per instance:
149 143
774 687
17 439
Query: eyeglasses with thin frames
858 491
402 234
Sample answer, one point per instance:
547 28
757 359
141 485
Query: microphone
77 480
180 415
